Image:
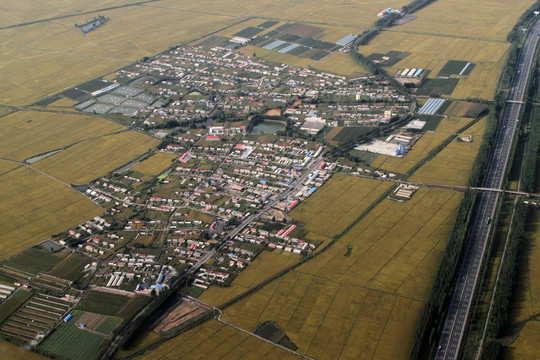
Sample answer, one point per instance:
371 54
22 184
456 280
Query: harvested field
365 305
180 315
90 159
214 340
45 208
97 322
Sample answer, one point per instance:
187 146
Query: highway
458 312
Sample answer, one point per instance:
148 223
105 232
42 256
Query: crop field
454 163
155 164
433 52
436 87
34 206
339 63
275 56
526 300
34 260
364 306
479 19
14 301
265 265
33 133
338 203
214 340
97 322
73 343
103 303
37 316
464 108
90 159
10 351
427 142
71 267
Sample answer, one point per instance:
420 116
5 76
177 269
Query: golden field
453 164
32 132
90 159
364 306
526 301
155 164
432 52
339 63
215 340
34 206
484 19
265 265
10 351
338 203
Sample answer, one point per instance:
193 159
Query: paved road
456 319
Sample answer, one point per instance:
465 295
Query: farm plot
454 163
427 142
338 203
87 160
155 164
214 340
97 322
479 19
456 67
74 343
464 108
112 304
10 351
436 87
71 268
32 133
431 53
340 63
34 260
33 207
37 316
265 265
365 305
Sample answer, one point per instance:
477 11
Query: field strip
301 299
51 52
385 325
443 35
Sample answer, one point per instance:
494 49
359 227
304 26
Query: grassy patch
434 87
34 261
74 343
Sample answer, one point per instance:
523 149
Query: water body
268 127
41 157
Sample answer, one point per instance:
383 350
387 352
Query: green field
103 303
71 267
454 67
432 87
13 302
74 343
34 260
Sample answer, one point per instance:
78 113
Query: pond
268 127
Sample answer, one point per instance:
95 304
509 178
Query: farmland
87 160
338 204
155 164
97 322
339 63
366 304
47 207
31 132
482 19
71 267
214 340
34 260
74 343
264 266
453 164
433 52
10 351
526 301
112 304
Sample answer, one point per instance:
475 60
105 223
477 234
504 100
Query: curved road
458 312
